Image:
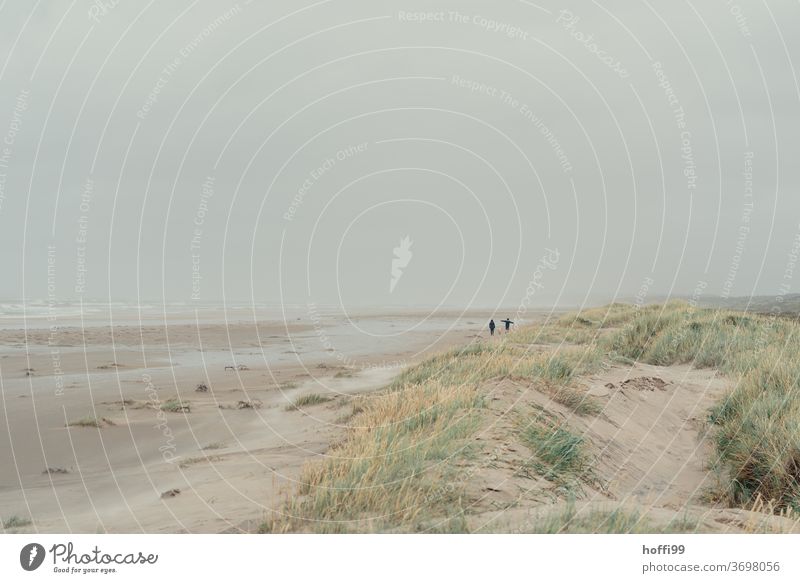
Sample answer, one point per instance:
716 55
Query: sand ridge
650 452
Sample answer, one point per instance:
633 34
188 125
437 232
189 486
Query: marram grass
392 471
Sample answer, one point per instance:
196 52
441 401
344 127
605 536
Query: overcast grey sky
275 151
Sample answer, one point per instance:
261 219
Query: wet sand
215 460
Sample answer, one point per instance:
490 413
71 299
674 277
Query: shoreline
141 429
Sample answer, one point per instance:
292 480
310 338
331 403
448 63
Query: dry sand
649 451
223 463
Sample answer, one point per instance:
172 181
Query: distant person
508 323
491 327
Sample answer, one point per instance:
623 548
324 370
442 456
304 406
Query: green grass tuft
559 452
308 401
175 406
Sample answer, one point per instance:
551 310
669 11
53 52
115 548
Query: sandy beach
186 423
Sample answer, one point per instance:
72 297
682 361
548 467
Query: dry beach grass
528 411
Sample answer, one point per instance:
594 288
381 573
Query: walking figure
491 327
508 323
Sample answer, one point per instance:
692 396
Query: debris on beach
113 365
602 391
174 406
91 422
249 404
123 404
235 367
645 384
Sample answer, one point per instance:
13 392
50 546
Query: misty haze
381 266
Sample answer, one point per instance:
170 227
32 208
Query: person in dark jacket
491 327
508 323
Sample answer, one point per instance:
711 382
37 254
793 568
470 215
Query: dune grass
308 401
176 406
387 474
403 443
90 422
478 363
604 521
626 519
757 425
383 477
85 422
558 451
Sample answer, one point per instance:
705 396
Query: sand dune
557 428
524 432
